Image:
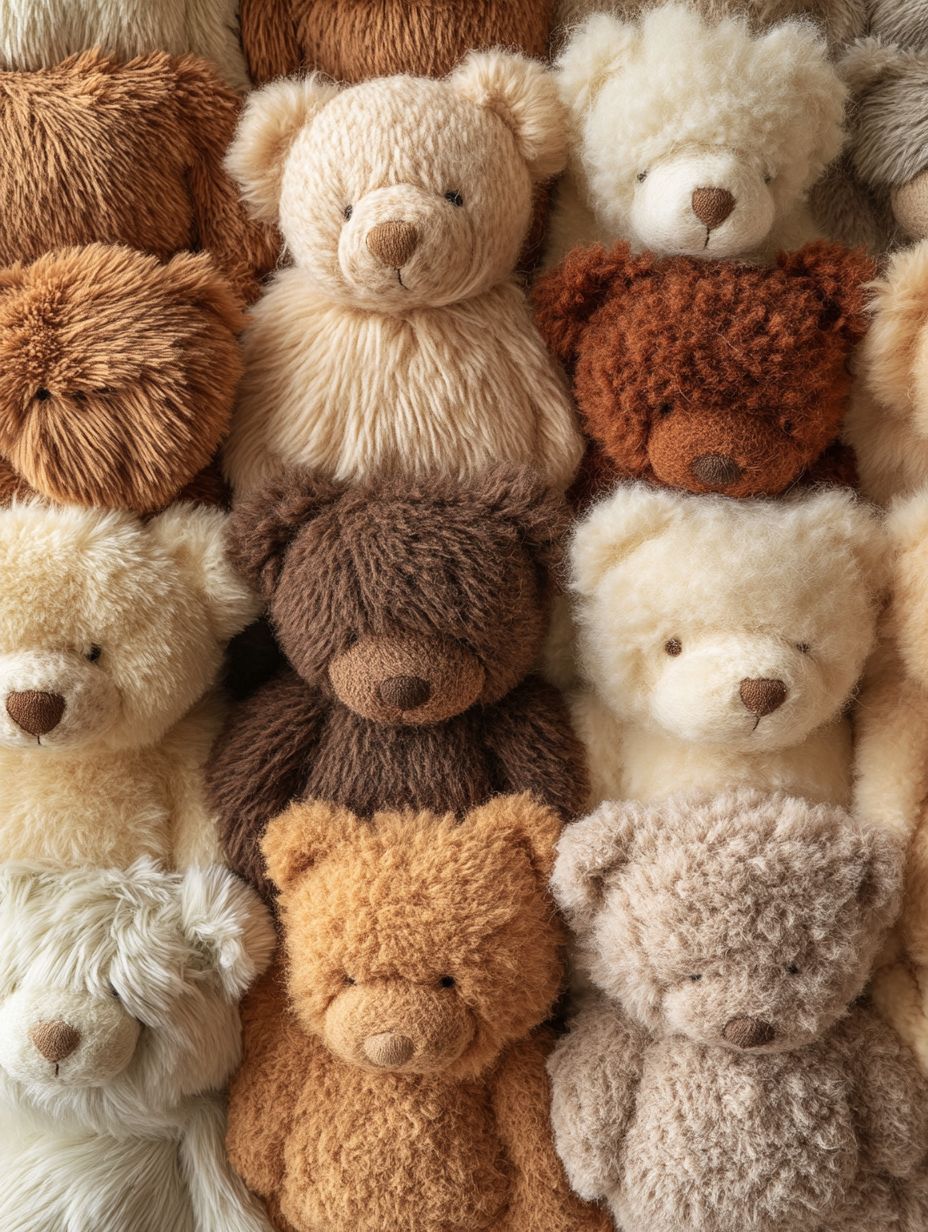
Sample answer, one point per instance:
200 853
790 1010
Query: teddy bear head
746 921
743 624
117 373
696 136
418 943
144 1011
709 376
110 629
407 603
404 192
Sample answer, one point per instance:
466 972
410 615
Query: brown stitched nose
715 470
36 713
393 243
55 1040
712 205
405 692
748 1032
388 1049
763 696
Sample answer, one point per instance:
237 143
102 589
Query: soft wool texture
117 375
394 1066
100 150
725 1077
720 641
412 618
709 375
119 1025
39 33
111 635
672 104
400 343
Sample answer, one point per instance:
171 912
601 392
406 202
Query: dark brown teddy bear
710 376
412 617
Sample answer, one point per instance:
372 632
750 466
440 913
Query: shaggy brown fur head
418 943
708 375
409 602
117 374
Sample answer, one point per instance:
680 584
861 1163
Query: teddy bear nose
763 696
712 206
748 1032
716 470
55 1040
388 1049
36 713
393 243
405 692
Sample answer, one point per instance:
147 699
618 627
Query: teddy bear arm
836 468
269 38
220 1201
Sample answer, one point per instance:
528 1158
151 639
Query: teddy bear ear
301 837
196 277
523 94
228 926
842 278
868 61
528 824
587 853
633 514
269 124
880 888
518 495
596 51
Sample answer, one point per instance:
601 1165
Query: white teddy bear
720 641
112 633
119 1026
694 136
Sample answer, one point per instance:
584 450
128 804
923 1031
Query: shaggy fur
39 33
372 589
404 1084
402 269
709 375
118 1128
672 103
117 374
725 1078
99 150
111 633
685 605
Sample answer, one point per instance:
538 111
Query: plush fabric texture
96 149
394 1063
39 33
695 136
412 617
113 1051
719 642
725 1076
404 203
111 638
117 374
711 376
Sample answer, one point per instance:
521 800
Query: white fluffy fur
786 590
126 1133
121 774
688 103
354 367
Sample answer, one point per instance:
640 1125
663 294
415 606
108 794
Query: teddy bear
411 617
394 1067
112 633
114 1051
117 376
403 203
724 1075
711 376
101 150
720 642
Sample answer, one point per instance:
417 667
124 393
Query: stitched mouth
399 279
708 234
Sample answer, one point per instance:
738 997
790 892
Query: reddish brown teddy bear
710 376
412 616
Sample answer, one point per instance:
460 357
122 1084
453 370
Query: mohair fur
725 1076
680 600
117 374
394 1063
342 352
676 361
671 102
100 150
39 33
125 624
366 585
123 1132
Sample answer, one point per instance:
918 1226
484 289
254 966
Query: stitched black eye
348 211
674 647
455 198
94 653
641 176
695 978
43 394
792 969
804 648
446 981
665 408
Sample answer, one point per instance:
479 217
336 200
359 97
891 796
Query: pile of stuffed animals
464 616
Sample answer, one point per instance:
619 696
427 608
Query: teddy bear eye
768 178
42 394
674 647
446 981
792 969
787 425
348 211
347 979
695 978
111 989
93 654
804 648
641 176
455 198
665 408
